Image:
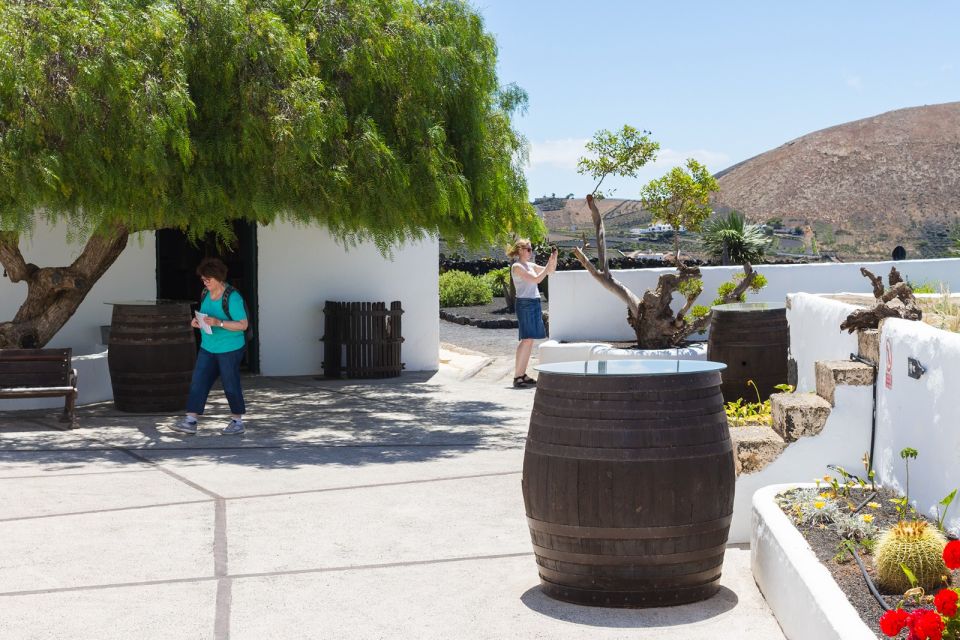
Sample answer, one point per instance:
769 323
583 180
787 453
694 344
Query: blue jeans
209 366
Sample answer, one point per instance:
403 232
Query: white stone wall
815 334
581 309
920 413
301 267
923 414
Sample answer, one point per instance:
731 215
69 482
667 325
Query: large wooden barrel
751 338
628 481
151 356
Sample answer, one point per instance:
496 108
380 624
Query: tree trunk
54 293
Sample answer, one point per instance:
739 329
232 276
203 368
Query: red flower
893 621
951 554
926 624
946 602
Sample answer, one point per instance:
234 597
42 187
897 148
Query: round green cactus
917 546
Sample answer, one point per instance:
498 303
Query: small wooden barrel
151 357
751 338
628 481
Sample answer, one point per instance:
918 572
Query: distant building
656 228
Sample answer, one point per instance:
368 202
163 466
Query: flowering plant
941 623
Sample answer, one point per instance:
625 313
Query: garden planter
628 481
799 589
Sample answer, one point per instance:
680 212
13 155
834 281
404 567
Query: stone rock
830 373
868 343
798 415
755 446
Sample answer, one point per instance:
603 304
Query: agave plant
731 240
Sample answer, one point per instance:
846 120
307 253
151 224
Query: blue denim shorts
530 318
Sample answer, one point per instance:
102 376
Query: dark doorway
177 260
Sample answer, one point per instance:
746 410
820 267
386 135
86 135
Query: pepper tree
383 121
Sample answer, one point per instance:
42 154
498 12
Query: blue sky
718 81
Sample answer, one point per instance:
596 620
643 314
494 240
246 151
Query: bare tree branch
602 263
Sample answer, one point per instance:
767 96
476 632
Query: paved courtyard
389 509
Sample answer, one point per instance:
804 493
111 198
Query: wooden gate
362 339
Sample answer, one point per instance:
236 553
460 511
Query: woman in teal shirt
220 351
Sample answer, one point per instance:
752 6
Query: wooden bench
40 373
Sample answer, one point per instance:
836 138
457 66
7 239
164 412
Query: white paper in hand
202 319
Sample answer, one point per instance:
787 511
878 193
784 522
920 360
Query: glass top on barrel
750 306
630 367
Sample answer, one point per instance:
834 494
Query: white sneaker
186 426
234 428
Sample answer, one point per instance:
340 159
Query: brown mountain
862 187
573 213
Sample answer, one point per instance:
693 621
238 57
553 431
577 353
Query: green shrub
460 289
498 280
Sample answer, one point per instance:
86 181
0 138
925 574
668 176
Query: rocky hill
573 214
862 187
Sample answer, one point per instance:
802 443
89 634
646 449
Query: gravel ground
493 342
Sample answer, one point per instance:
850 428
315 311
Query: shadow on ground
291 422
724 601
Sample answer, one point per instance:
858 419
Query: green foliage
681 197
739 412
726 288
733 241
381 120
460 289
620 154
945 503
926 287
691 288
498 280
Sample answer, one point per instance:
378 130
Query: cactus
918 546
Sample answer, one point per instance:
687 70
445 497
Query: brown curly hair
212 268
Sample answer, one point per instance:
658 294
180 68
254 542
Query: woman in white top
526 276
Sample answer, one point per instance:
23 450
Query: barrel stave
151 357
628 487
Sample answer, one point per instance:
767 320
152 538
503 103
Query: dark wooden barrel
628 482
751 338
151 356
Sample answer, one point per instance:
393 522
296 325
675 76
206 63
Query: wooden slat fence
362 339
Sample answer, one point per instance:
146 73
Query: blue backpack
225 301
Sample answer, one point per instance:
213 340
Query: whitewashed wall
920 413
815 334
301 267
581 309
132 277
923 414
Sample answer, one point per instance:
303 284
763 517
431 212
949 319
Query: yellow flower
867 518
823 496
873 505
819 504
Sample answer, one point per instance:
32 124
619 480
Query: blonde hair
513 251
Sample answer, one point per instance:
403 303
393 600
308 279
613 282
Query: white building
285 272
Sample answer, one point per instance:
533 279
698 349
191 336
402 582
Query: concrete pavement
389 509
